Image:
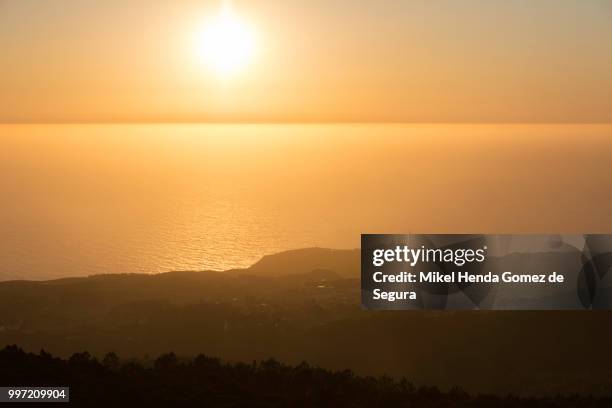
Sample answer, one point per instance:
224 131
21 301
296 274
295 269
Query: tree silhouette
206 381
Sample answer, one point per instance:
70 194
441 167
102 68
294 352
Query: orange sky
323 60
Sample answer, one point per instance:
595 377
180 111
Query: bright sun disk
226 43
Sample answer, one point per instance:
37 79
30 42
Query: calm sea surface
90 199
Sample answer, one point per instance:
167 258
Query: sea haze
91 199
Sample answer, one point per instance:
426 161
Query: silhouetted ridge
293 310
344 262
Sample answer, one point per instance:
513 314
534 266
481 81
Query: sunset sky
323 60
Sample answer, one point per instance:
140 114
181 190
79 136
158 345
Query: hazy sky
316 60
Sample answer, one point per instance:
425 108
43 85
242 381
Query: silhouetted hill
310 313
345 263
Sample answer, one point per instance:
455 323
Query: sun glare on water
226 43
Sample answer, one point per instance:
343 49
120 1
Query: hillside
346 263
309 313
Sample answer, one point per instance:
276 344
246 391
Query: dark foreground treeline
208 382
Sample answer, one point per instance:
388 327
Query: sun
226 43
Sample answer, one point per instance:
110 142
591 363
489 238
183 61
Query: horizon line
264 122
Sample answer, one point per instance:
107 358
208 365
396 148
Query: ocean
85 199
